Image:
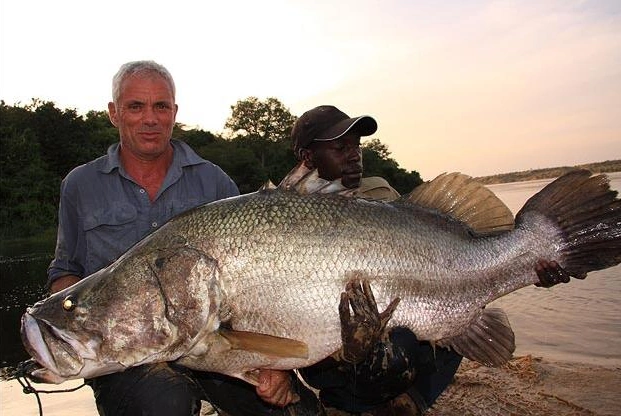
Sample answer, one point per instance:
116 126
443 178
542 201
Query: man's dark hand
550 274
364 328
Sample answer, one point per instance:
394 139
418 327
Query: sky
480 87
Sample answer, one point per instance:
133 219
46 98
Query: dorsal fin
466 200
306 181
269 185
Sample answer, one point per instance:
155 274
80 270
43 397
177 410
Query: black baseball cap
326 123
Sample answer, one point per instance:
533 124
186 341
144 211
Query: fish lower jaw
40 341
91 369
45 375
35 345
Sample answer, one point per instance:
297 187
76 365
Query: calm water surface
580 321
22 278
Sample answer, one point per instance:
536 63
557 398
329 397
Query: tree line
40 143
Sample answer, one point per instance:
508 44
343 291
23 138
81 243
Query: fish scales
287 246
242 283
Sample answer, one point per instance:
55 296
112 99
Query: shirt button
153 224
142 191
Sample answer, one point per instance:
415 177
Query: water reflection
22 283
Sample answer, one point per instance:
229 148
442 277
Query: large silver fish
254 281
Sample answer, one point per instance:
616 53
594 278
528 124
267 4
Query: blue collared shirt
103 211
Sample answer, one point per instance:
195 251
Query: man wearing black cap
327 139
400 375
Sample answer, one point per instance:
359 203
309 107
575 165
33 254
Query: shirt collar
183 156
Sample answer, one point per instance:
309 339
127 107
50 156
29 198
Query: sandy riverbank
525 386
532 386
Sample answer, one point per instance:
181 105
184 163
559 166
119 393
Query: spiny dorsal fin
466 200
489 340
306 181
265 344
269 185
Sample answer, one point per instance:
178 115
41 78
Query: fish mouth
46 345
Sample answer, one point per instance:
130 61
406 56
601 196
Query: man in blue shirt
111 203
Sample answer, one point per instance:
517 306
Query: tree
266 121
40 144
61 135
375 146
264 127
100 134
27 189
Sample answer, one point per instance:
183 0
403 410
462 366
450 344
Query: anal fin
489 340
265 344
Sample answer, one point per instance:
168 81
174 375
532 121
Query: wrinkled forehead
146 76
142 76
150 84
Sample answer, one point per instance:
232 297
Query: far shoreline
549 173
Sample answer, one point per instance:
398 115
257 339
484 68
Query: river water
580 321
22 278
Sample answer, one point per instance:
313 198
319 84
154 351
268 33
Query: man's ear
112 114
306 156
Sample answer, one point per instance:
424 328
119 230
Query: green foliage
238 161
244 170
264 128
40 144
27 191
263 121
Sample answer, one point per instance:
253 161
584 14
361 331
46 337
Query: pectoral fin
265 344
489 340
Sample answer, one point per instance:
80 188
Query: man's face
340 158
145 115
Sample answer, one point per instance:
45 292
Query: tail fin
589 215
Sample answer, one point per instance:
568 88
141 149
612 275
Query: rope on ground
22 372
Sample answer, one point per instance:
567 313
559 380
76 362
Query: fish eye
69 303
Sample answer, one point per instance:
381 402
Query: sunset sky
480 87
